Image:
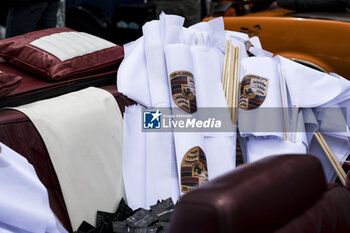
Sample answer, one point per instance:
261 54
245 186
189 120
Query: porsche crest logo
194 169
183 90
253 92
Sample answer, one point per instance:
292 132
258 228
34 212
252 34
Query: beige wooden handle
332 159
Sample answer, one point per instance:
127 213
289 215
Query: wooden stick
224 70
228 68
230 78
329 150
229 81
236 86
233 84
332 159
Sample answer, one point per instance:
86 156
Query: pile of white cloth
24 202
159 165
287 101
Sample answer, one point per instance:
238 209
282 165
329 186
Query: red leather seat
19 133
286 193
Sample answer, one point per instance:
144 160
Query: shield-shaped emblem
253 91
183 90
194 169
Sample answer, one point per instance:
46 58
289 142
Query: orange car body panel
325 43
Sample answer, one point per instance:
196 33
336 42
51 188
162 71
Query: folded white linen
307 87
83 134
132 79
221 155
24 202
179 60
261 91
134 158
240 36
339 147
171 27
155 61
331 122
265 125
161 171
149 165
156 176
161 168
213 33
259 148
210 95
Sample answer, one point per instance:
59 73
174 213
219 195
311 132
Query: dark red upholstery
329 214
8 83
285 193
19 52
33 88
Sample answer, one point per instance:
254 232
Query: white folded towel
24 200
83 132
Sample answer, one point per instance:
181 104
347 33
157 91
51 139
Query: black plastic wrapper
125 220
141 218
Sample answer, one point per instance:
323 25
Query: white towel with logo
199 51
24 202
179 58
83 132
264 126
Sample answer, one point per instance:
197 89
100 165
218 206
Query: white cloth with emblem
149 85
266 127
199 50
179 58
24 201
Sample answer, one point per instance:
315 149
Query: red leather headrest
258 197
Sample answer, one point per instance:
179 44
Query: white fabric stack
204 43
321 96
24 202
143 76
179 58
264 126
157 179
311 101
295 96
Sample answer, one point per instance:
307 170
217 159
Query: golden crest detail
183 90
194 169
253 92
